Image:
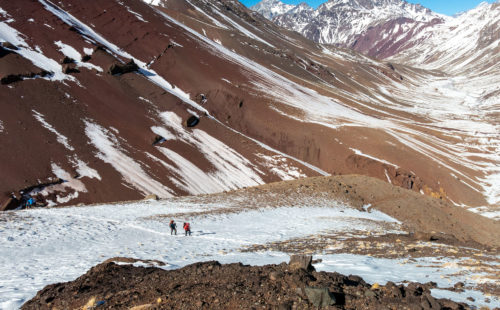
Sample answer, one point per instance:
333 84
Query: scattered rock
320 297
459 287
131 66
426 236
67 60
301 262
86 58
192 121
275 275
70 68
11 78
370 294
151 197
158 140
9 46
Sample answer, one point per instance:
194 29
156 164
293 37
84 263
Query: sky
447 7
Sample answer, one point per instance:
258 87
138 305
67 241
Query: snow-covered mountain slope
466 43
266 104
343 22
272 8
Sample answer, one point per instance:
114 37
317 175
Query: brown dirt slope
419 213
211 285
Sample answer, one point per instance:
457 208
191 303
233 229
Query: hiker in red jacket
187 229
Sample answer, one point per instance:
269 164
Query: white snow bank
153 2
9 34
132 172
231 170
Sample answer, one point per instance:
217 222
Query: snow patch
491 184
279 166
60 137
137 15
84 170
358 152
132 172
231 169
70 52
153 2
88 51
69 182
11 35
163 132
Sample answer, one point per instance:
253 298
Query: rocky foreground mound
210 285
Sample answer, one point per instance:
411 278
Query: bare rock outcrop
210 285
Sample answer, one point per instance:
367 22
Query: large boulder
320 297
301 262
192 121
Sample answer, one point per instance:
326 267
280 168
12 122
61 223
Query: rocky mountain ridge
120 100
344 22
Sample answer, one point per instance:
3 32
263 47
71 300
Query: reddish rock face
270 105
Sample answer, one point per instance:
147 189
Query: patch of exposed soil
211 285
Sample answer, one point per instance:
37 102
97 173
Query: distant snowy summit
383 28
343 22
272 8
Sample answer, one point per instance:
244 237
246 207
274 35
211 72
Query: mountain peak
272 8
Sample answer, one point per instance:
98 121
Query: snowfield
45 246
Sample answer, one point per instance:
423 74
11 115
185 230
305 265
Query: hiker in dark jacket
187 229
173 227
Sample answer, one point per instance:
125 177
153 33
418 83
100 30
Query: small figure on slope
30 203
187 229
173 227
